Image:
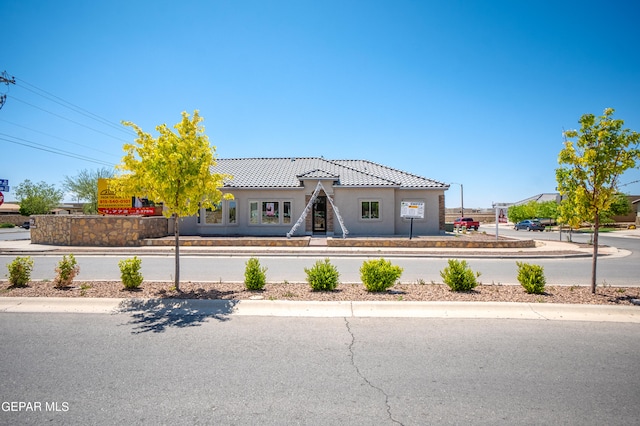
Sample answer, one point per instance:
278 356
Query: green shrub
255 276
66 271
379 275
130 272
20 271
7 225
531 277
323 276
458 276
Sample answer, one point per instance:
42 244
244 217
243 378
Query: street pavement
546 312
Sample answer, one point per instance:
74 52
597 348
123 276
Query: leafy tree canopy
591 163
84 186
174 169
40 198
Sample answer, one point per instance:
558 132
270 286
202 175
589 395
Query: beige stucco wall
103 231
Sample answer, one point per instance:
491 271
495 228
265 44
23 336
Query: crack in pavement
352 356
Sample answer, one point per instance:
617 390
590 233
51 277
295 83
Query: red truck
468 222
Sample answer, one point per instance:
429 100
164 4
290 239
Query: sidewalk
285 308
543 249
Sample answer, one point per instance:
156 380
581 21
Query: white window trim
202 219
369 200
260 201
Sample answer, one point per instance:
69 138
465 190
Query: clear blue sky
474 92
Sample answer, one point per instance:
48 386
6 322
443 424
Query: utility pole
461 198
4 78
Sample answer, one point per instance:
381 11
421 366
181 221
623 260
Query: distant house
316 196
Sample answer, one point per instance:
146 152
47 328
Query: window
231 212
370 209
219 213
253 213
286 212
213 215
269 212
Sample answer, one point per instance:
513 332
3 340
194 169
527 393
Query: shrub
7 225
130 272
20 271
254 275
458 276
323 276
531 277
379 275
66 271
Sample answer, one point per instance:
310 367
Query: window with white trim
370 209
217 214
269 212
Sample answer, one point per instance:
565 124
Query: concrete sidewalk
284 308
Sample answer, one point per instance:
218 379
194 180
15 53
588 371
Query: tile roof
287 172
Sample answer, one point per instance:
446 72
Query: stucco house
317 196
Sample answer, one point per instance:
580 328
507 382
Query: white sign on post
412 210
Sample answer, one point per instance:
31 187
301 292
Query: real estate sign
412 210
109 203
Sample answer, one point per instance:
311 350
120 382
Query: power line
57 137
68 119
41 147
75 108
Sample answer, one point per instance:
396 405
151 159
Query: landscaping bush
7 225
130 272
459 276
531 277
255 276
66 271
379 275
20 271
323 276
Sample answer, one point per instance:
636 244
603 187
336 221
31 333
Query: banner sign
412 210
111 204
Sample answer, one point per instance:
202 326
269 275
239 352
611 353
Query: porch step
318 242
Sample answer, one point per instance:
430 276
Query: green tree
84 186
175 169
590 168
40 198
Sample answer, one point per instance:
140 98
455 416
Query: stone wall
16 219
99 231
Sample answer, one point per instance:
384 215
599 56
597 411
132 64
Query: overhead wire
41 147
71 106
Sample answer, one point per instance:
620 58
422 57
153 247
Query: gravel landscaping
605 295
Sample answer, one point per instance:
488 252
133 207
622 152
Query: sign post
411 210
501 217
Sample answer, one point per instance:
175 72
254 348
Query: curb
315 309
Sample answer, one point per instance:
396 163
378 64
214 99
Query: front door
320 215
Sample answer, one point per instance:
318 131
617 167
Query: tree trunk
594 261
177 236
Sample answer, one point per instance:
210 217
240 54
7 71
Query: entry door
320 215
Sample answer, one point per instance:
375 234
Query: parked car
529 225
467 222
25 225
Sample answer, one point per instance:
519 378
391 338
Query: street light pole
461 198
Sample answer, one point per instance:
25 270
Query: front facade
316 196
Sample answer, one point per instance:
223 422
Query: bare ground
604 295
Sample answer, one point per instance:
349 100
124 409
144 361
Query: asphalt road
614 271
144 367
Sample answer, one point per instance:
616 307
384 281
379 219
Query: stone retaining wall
16 219
98 231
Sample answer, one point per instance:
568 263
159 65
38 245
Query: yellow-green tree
590 169
174 169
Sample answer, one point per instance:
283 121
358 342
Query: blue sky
473 92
